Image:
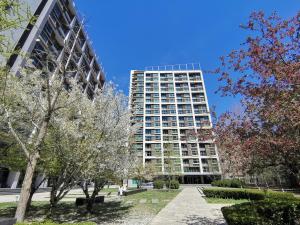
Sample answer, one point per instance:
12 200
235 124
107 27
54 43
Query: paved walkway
191 209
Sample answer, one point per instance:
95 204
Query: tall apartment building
56 24
169 107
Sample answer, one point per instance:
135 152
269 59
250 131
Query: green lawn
225 201
163 197
115 208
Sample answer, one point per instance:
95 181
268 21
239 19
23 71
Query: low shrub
158 184
279 195
234 193
265 212
252 194
231 183
173 184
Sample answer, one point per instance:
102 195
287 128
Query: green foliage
251 194
158 184
266 212
232 183
53 223
172 184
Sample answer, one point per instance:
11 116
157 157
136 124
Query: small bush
266 212
252 194
158 184
173 184
231 183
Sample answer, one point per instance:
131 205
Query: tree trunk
98 185
90 204
26 188
293 180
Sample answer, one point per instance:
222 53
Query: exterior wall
27 7
69 30
57 25
170 107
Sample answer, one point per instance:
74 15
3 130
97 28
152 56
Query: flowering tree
29 104
265 71
108 131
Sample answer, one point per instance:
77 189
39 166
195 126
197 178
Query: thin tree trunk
26 188
31 166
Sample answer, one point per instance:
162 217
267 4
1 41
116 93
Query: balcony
153 111
183 100
156 124
186 124
168 112
156 138
169 124
184 111
152 90
181 79
166 89
182 89
166 79
197 89
170 138
200 111
151 79
153 100
199 100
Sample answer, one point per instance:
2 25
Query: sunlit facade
170 107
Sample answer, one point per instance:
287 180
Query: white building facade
170 107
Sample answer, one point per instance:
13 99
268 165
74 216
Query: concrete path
189 208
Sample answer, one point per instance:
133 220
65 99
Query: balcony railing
200 111
167 89
186 111
181 89
196 89
169 124
186 100
170 100
168 111
198 99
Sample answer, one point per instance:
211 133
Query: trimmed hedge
266 212
158 184
231 183
173 184
252 194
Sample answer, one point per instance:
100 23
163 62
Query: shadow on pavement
69 213
198 220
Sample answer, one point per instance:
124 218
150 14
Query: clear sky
133 34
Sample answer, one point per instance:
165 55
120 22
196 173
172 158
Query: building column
39 178
13 179
202 179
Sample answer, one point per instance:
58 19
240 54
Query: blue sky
133 34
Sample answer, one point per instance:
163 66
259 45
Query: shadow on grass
198 220
69 213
